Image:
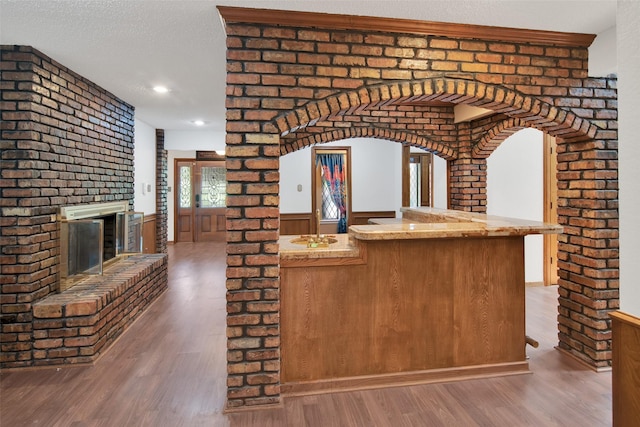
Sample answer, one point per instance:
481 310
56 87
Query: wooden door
184 206
200 200
210 200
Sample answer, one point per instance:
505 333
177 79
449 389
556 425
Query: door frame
176 196
176 203
426 176
550 209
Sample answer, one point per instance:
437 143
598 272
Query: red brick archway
289 87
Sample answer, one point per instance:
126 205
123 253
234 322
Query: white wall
439 183
603 58
376 176
515 189
295 170
194 140
144 163
628 24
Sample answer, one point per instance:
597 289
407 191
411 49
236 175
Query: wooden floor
168 369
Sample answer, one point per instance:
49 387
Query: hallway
169 369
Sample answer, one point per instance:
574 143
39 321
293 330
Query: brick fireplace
65 142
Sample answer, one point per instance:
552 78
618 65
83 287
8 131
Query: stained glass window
185 186
214 183
329 208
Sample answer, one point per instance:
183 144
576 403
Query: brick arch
287 81
494 136
531 111
436 148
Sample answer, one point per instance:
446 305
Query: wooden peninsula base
402 308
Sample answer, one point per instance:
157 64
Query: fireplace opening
93 236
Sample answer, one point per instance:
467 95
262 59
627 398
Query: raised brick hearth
75 325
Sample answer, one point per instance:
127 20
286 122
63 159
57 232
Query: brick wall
289 87
162 213
65 141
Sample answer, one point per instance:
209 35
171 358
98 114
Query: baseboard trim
584 362
402 379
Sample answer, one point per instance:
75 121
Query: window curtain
333 173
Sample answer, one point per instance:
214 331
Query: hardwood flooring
168 369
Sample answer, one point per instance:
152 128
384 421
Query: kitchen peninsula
435 295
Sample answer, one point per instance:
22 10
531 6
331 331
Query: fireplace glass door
81 247
129 232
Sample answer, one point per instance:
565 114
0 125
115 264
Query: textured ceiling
128 46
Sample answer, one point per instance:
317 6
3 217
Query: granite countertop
417 223
431 223
343 248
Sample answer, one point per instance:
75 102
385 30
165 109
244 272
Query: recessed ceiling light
198 122
160 89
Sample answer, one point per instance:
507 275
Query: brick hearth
75 325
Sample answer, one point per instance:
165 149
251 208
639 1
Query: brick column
588 250
161 193
253 282
468 185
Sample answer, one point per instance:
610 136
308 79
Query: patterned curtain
333 174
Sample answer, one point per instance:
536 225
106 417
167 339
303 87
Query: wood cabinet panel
149 234
489 300
625 377
416 305
295 223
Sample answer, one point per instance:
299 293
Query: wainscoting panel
300 223
626 369
149 234
295 223
362 218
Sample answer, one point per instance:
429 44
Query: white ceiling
128 46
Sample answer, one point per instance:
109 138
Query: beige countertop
417 223
344 247
432 223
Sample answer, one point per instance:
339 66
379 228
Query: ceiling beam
466 113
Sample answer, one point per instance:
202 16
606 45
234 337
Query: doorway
200 200
417 178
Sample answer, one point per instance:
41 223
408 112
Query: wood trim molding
406 194
361 259
289 18
550 209
150 217
362 217
404 379
625 376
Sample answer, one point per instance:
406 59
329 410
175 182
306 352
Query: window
331 182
